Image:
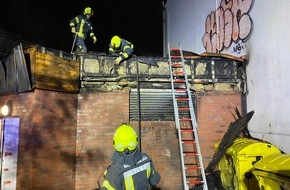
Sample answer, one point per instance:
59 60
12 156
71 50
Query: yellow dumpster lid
275 163
239 142
248 146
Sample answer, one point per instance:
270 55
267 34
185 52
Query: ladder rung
192 167
179 80
195 182
185 119
174 49
188 142
178 72
182 99
183 109
190 154
176 65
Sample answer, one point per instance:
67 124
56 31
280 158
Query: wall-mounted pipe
139 104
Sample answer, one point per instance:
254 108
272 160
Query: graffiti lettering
230 23
238 48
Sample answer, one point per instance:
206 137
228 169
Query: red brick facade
46 155
66 139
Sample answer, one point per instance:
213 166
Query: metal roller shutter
156 105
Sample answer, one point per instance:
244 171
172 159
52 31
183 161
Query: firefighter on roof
122 47
82 26
131 169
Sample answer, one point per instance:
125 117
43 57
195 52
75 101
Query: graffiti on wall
228 27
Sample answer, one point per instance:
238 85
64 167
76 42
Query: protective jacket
125 50
134 171
83 26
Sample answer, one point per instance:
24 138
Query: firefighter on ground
82 26
131 169
122 47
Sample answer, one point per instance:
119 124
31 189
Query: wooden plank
55 73
222 55
186 54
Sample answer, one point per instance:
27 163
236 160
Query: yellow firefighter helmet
125 138
116 42
88 10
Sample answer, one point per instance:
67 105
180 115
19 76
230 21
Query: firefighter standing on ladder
81 26
131 169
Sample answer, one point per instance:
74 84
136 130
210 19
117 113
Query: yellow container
273 172
237 164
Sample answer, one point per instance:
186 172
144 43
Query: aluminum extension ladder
191 159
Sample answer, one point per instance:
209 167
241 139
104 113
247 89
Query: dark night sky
47 22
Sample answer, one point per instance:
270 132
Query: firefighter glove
73 29
95 39
118 60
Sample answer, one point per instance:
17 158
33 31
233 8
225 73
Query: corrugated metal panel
2 79
156 105
11 76
22 72
15 73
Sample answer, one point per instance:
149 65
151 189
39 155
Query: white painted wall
268 77
178 30
268 49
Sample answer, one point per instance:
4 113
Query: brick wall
215 113
159 140
46 156
66 139
99 114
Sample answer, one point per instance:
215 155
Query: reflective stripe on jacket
83 26
126 49
139 176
